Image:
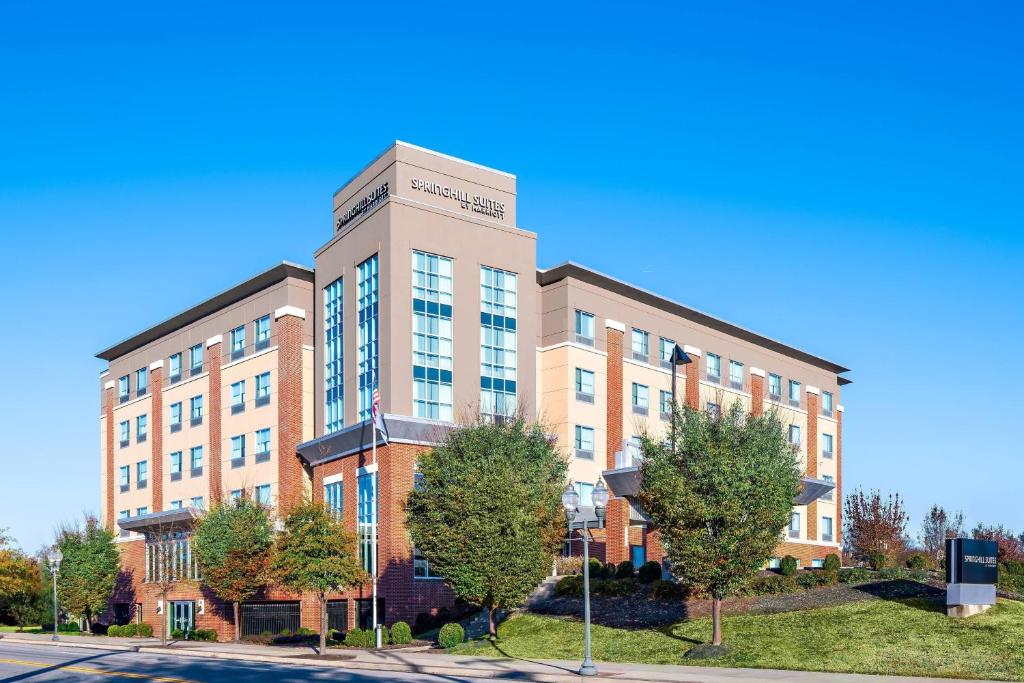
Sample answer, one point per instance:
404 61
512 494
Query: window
238 450
125 432
584 385
714 372
584 442
125 473
169 557
140 428
238 342
176 416
794 392
261 332
196 459
366 519
141 381
238 396
175 366
262 389
641 345
421 567
236 495
640 398
122 388
175 505
198 503
665 404
366 341
774 563
584 328
636 453
196 409
828 478
735 374
262 494
498 310
794 524
586 493
144 510
774 386
195 359
432 336
826 445
333 498
176 462
124 514
263 444
826 403
817 564
334 366
141 474
826 528
714 410
794 435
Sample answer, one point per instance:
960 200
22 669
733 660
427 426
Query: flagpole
373 432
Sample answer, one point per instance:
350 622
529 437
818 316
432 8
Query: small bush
625 570
70 627
359 637
596 568
1013 567
893 574
916 561
854 575
267 634
144 630
807 580
177 634
205 634
788 566
613 588
832 562
878 561
649 572
450 635
401 634
666 590
114 631
569 586
769 584
566 566
284 633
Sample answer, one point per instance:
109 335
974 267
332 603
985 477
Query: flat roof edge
567 269
244 289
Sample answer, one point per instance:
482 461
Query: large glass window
432 336
420 564
736 374
794 523
169 556
176 462
775 386
826 403
714 373
794 435
262 494
665 347
238 394
640 396
122 388
176 414
238 448
261 331
141 428
826 528
794 392
196 408
141 381
584 382
498 310
367 350
586 493
333 498
196 457
195 358
125 428
665 402
142 472
367 519
584 440
175 366
585 327
334 385
238 341
263 441
262 387
125 474
641 344
826 445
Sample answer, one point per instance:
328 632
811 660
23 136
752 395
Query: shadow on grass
913 593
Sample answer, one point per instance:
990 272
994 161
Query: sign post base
964 611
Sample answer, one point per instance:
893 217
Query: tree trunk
238 625
163 624
88 622
492 623
716 621
323 624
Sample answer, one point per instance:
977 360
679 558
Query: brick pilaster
108 409
617 542
756 391
812 458
213 358
289 408
693 373
156 457
838 496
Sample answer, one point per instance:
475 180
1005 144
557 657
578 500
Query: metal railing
273 617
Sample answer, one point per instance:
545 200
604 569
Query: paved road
38 663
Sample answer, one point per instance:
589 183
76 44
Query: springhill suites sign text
362 206
472 202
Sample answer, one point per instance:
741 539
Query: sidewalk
541 671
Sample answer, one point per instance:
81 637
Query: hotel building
429 290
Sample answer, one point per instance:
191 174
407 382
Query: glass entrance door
182 615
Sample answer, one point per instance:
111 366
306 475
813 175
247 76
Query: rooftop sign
362 206
471 202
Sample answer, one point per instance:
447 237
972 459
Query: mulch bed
638 611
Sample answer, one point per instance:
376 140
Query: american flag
378 416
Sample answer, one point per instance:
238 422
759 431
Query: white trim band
369 469
290 310
757 372
156 365
333 479
812 390
615 325
840 409
216 339
105 372
108 385
692 351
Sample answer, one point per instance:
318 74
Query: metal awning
167 520
812 489
624 482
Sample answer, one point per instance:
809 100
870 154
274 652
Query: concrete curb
64 643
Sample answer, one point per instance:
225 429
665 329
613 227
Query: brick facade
839 476
805 552
290 475
756 392
812 460
156 455
213 357
108 409
617 521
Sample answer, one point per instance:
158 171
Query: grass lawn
907 637
37 629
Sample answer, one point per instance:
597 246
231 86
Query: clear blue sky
850 177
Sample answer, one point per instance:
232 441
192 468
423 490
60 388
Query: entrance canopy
154 522
624 482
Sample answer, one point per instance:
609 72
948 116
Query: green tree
486 512
233 545
89 569
19 584
721 498
315 553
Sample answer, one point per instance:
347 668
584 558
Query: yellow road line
89 670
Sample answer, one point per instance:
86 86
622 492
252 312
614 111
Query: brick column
108 409
838 496
756 391
692 394
213 358
812 458
156 454
289 321
617 529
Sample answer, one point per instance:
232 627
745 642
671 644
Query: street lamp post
678 357
571 501
55 557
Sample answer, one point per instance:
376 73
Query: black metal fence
337 615
272 617
365 612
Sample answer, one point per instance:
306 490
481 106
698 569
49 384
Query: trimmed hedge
130 631
359 637
649 572
788 566
855 575
450 635
625 570
770 584
916 561
832 563
401 633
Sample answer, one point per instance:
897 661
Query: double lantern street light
54 558
571 502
